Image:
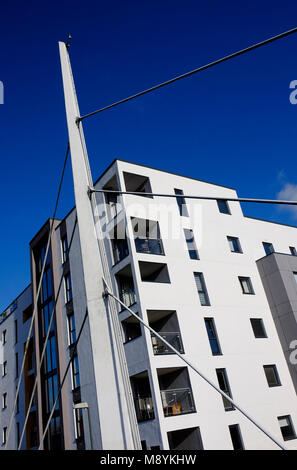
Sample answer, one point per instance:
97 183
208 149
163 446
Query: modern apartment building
219 286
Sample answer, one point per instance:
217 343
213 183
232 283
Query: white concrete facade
243 355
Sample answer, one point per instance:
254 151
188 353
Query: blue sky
233 124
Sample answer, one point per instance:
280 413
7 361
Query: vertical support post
114 419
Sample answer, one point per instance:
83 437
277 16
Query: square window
272 375
258 328
223 206
286 427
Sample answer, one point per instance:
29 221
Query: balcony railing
173 338
177 402
128 296
144 408
149 246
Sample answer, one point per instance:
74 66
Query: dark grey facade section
277 274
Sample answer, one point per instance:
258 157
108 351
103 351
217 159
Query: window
293 250
27 313
18 433
4 339
286 427
224 386
181 202
4 401
223 206
258 328
75 372
268 247
246 285
201 288
71 328
16 364
16 331
4 368
212 336
295 275
272 375
4 435
68 288
79 423
234 244
192 249
65 249
236 437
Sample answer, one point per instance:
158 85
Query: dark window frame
276 375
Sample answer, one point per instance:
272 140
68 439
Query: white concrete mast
118 430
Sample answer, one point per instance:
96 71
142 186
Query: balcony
165 323
177 401
137 184
173 338
149 246
126 286
175 389
144 408
113 206
147 236
144 405
185 439
120 250
154 272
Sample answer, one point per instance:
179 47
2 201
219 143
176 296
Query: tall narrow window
3 337
68 288
65 249
223 206
212 336
258 328
268 247
4 435
272 376
4 368
201 288
75 372
4 401
191 245
15 331
16 364
286 427
293 250
224 386
234 244
246 285
71 329
181 202
18 433
236 437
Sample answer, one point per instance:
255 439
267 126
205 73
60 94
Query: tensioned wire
45 344
192 72
193 196
35 309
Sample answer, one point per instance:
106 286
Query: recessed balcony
137 184
143 401
165 323
126 286
176 393
147 236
